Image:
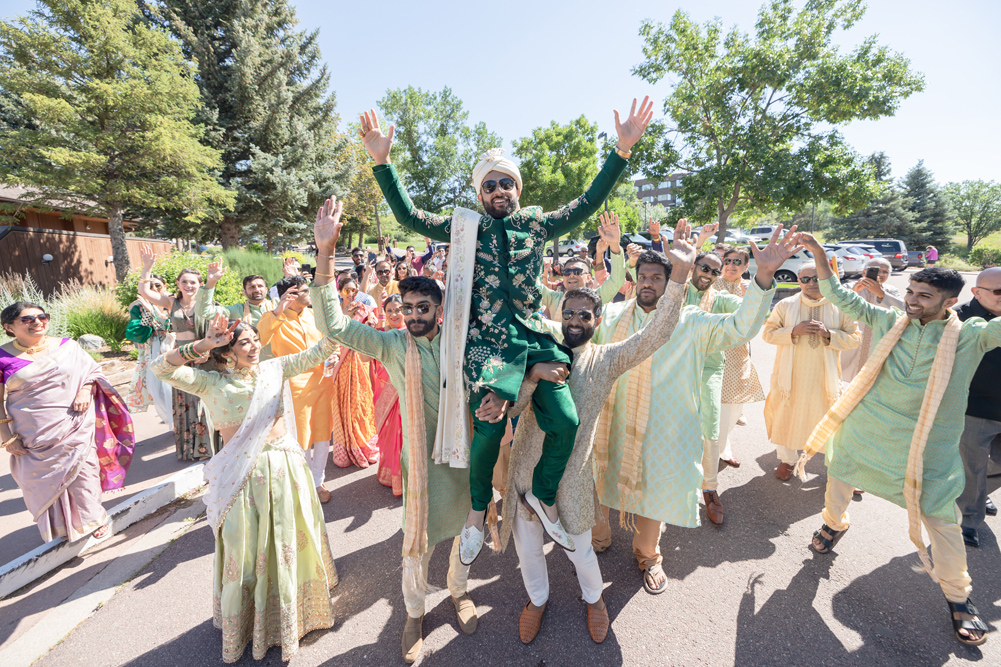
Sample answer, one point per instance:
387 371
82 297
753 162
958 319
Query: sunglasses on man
806 280
583 315
506 184
423 308
30 319
382 272
705 268
735 262
573 272
995 292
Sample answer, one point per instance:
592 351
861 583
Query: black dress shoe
991 509
970 537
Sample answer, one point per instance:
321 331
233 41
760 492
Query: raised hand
682 253
215 272
290 295
654 229
705 234
609 231
633 251
147 255
220 331
630 131
775 253
328 226
290 267
376 143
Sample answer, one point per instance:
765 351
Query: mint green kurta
553 299
448 487
506 298
870 449
672 448
206 308
712 373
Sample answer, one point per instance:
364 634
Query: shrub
16 287
303 259
985 257
255 247
953 262
134 354
94 310
228 291
249 263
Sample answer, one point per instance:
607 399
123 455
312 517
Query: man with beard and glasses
493 331
592 376
648 444
576 270
435 498
255 288
895 431
386 286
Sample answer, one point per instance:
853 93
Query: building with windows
666 192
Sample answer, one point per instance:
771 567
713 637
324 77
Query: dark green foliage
933 217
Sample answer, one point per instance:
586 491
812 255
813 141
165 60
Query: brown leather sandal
530 622
597 621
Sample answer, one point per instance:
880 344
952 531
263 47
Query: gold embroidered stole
415 534
938 380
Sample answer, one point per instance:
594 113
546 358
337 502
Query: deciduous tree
977 205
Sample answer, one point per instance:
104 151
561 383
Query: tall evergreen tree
933 217
267 106
889 216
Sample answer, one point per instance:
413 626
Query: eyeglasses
506 184
382 272
735 262
806 280
573 272
30 319
995 292
705 268
583 315
422 308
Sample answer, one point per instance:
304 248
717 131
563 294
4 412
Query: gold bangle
623 154
325 275
7 420
11 441
144 280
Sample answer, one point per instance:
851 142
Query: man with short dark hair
648 445
983 410
895 431
435 497
386 286
255 288
359 257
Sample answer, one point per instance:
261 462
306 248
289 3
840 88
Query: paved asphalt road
750 592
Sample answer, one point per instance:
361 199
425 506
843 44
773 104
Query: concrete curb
22 571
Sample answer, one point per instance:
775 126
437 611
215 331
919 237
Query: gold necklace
32 350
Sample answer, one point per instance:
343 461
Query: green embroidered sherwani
504 315
870 449
448 487
672 447
712 373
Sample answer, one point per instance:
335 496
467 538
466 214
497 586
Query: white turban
493 160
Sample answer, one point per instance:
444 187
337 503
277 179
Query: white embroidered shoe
554 529
470 544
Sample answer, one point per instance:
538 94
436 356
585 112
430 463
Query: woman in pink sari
387 407
69 433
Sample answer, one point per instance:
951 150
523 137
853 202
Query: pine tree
889 216
933 217
268 110
97 117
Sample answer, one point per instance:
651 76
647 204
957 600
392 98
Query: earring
231 364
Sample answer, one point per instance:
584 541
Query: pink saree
390 428
71 456
353 440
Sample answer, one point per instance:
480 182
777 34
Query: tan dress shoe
714 508
530 622
597 621
466 611
323 493
413 639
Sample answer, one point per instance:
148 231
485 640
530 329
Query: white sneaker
470 544
554 529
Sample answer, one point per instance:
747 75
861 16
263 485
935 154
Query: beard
502 206
578 338
419 327
647 299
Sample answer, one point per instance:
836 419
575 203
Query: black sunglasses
806 280
422 308
382 272
573 272
30 319
735 262
705 268
585 315
506 184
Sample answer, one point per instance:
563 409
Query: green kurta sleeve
574 214
616 279
136 331
295 364
740 326
336 325
437 227
205 306
855 306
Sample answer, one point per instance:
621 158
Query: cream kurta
790 423
672 447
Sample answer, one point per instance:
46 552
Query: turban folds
494 160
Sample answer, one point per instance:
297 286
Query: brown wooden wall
75 254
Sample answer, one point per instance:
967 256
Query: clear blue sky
518 65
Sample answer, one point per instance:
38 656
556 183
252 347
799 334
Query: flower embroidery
280 473
300 540
262 563
287 555
232 571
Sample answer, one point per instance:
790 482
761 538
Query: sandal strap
975 623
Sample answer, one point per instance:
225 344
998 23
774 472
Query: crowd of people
507 378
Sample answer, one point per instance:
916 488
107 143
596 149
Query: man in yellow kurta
809 333
289 329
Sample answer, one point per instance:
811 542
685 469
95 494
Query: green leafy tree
106 103
933 217
436 148
977 205
557 164
755 118
228 291
267 109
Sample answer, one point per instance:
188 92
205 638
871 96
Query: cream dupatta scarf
454 433
229 469
415 529
832 372
938 380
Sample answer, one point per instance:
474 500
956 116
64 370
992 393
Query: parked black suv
892 249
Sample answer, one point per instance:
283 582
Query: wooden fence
77 255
